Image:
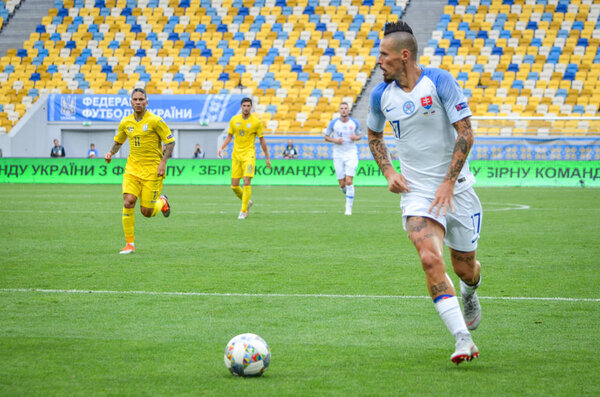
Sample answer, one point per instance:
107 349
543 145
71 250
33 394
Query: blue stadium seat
517 84
493 108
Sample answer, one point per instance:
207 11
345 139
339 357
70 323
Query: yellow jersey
244 133
145 148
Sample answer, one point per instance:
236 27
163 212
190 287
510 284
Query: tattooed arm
113 150
462 146
396 181
167 152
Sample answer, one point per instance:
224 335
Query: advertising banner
172 108
291 172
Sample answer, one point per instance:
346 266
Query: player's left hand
268 163
443 198
108 157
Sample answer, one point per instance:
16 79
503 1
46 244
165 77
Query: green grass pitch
340 300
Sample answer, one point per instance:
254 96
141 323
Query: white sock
449 311
349 196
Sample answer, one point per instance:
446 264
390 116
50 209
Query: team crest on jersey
408 107
427 101
145 127
130 129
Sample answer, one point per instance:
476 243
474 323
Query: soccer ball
247 355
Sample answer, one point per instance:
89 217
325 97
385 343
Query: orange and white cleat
128 249
166 208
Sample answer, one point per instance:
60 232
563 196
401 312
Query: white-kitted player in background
343 132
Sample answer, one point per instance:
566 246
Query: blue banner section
172 108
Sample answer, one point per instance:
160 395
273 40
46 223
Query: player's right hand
397 183
219 154
108 157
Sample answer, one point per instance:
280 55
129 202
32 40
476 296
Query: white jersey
338 129
422 122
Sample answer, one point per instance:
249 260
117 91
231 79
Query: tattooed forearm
168 149
439 288
464 142
379 150
115 147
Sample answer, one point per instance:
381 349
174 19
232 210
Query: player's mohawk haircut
399 26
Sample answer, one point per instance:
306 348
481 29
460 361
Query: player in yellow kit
245 127
146 163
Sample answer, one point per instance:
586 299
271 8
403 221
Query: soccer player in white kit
431 121
343 132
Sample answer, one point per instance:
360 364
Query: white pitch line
244 295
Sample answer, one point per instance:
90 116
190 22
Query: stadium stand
523 59
297 57
7 8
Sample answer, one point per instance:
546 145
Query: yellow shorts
147 190
242 167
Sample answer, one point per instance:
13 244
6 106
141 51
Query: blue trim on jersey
439 298
376 119
329 129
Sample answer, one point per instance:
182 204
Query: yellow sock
157 207
238 191
128 224
246 198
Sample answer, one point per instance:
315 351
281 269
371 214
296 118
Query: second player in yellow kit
146 163
244 128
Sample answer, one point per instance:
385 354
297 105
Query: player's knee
147 212
129 201
432 262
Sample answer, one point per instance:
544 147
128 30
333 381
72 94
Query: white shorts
345 166
462 226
